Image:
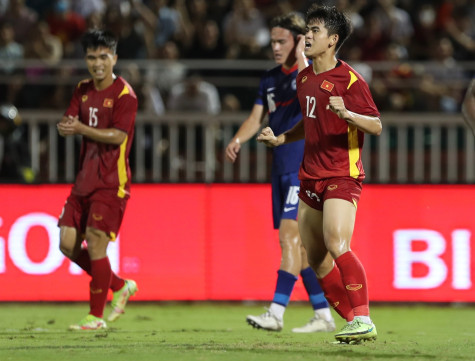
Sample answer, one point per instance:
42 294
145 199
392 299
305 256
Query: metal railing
189 147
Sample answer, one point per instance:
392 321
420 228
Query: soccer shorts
101 210
285 197
316 192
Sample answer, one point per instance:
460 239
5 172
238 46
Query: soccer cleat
90 322
316 324
357 331
266 321
120 299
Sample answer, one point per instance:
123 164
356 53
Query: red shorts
315 192
102 210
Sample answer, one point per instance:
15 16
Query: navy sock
284 287
315 292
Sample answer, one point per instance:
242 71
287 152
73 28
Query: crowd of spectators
439 34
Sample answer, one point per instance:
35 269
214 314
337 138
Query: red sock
101 278
354 279
335 294
84 261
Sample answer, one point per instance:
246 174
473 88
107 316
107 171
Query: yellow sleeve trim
124 91
353 151
122 169
353 79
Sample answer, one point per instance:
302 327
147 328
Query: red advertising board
216 242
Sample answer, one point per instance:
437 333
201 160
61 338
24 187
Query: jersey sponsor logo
312 195
97 217
354 287
304 79
84 98
332 187
326 85
288 209
108 103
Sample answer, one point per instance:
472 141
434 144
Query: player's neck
101 84
323 63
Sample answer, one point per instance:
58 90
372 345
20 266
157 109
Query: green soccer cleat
120 299
90 322
357 331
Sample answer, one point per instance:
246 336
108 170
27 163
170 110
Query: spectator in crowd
10 53
163 22
207 43
131 42
169 71
86 7
442 79
194 94
43 45
68 25
22 19
245 31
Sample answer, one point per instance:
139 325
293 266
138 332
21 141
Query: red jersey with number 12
332 146
101 165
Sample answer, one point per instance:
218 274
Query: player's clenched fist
268 138
337 106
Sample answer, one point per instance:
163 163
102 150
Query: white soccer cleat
316 324
120 299
266 321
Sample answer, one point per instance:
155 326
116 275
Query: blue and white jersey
278 94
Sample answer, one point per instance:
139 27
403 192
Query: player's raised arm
250 127
365 123
302 60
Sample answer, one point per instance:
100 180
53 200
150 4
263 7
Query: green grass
218 331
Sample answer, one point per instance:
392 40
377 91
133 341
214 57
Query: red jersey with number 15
101 165
332 146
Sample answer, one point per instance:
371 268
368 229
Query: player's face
282 42
100 63
317 40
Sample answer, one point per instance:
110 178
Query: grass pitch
218 331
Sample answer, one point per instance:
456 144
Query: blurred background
195 66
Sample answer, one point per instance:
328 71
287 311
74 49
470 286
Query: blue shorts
285 197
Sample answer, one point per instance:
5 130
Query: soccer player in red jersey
102 110
337 109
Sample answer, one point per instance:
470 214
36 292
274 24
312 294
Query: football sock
354 279
84 261
336 295
324 313
283 289
314 290
277 310
101 278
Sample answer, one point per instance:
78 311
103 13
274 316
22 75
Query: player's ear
333 40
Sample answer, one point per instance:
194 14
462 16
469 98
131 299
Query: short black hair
334 20
293 22
95 38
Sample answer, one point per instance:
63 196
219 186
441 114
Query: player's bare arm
268 137
468 106
250 127
73 126
365 123
302 60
